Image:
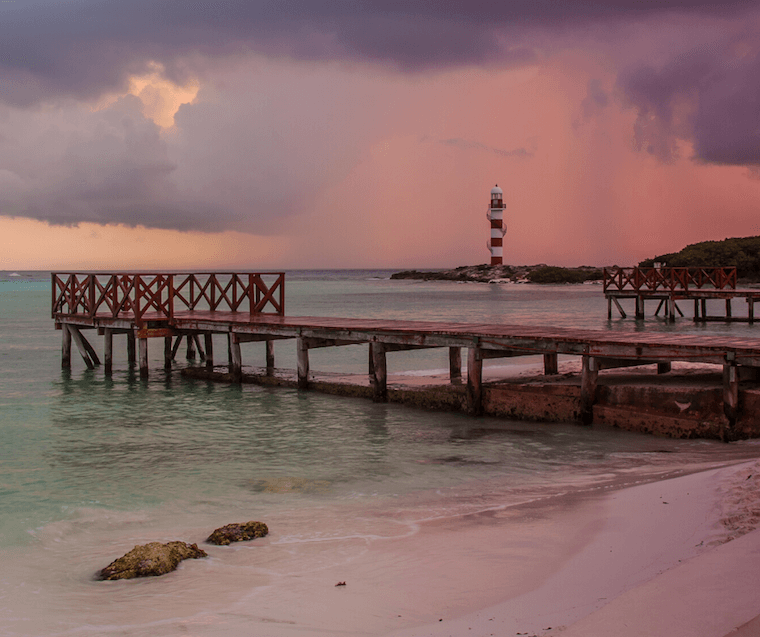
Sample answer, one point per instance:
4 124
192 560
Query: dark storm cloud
710 96
84 47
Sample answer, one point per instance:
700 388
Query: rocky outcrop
237 533
150 559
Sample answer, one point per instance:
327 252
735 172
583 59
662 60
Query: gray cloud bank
82 48
247 161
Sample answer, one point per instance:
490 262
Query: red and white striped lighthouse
498 229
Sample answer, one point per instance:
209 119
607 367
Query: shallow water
91 466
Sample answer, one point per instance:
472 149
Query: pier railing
159 295
668 279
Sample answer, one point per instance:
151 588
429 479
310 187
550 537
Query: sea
91 466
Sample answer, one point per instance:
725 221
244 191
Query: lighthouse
498 229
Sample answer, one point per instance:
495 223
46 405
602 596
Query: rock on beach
150 559
237 533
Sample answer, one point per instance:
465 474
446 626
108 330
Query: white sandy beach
654 559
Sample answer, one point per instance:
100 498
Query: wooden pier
667 286
251 307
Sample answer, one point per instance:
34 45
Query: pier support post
589 374
639 307
302 359
143 357
131 349
664 368
730 394
175 347
455 364
751 310
551 364
83 349
474 381
190 348
671 310
609 308
696 309
236 359
108 351
728 308
380 373
371 365
270 358
209 343
703 305
168 353
65 346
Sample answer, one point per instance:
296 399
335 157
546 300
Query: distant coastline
485 273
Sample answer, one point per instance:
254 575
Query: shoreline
663 548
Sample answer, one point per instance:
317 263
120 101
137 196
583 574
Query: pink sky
249 140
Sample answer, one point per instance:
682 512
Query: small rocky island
485 273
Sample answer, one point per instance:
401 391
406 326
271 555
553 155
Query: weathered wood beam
90 349
589 375
474 381
79 340
167 353
65 346
108 351
143 357
619 307
175 347
380 373
455 364
730 393
199 347
551 364
236 360
131 348
257 338
302 363
728 308
270 356
615 363
208 337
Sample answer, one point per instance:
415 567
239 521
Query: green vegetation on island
743 253
485 273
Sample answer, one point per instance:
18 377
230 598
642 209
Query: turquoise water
90 466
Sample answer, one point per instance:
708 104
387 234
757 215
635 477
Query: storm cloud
82 48
294 95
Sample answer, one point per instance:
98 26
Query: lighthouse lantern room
498 229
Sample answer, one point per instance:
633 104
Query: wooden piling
108 351
131 349
83 350
208 339
380 373
551 364
175 347
270 357
455 364
236 360
143 357
589 374
474 381
730 393
65 346
663 368
302 356
190 348
168 353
